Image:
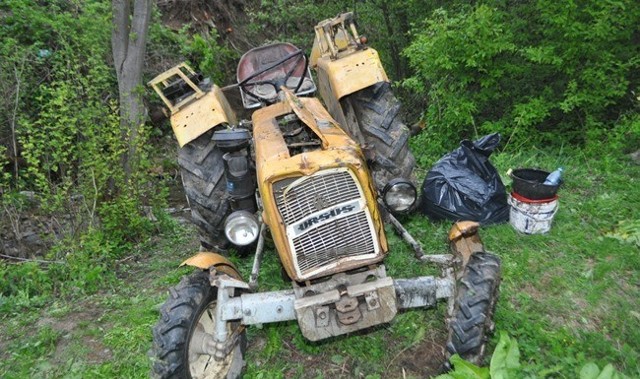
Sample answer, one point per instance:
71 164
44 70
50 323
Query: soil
423 360
27 232
227 17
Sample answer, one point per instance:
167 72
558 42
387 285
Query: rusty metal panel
318 321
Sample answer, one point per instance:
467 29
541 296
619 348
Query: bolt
373 302
279 309
247 312
322 315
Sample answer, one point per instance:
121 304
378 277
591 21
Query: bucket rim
523 199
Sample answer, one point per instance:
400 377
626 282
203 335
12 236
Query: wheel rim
202 365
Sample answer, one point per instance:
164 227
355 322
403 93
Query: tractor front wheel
475 302
187 319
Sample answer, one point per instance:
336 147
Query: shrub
539 72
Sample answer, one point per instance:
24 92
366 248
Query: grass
569 297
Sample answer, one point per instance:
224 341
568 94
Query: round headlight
399 195
241 228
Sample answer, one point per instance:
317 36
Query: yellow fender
206 260
350 73
464 240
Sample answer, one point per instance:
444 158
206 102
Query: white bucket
534 216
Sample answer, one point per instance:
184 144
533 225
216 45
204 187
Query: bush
538 72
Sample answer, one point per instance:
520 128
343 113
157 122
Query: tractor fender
350 73
464 240
205 260
201 114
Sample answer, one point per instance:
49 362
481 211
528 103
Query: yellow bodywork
197 112
344 64
349 74
207 260
197 117
274 163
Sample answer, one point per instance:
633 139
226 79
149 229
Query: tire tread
202 169
376 111
474 307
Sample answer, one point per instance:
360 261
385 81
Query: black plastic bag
464 185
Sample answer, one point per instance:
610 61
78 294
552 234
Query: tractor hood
324 187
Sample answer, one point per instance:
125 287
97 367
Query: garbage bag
464 185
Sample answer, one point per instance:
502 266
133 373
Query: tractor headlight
399 195
241 228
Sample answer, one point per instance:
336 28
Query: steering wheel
276 83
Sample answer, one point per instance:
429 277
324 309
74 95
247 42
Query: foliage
539 72
627 231
592 371
280 21
212 59
453 54
25 279
55 58
505 364
505 360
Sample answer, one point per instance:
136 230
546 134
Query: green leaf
506 358
608 372
589 371
466 370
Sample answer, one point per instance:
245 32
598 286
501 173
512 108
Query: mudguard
206 260
350 73
464 240
198 110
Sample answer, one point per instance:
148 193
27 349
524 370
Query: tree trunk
128 42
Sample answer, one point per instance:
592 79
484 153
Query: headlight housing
241 228
399 195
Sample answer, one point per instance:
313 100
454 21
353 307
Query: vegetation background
86 250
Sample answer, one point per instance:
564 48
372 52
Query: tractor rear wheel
202 169
475 302
373 120
187 320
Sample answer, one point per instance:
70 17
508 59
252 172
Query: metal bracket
440 259
226 289
257 260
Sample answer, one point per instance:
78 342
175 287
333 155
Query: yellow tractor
322 181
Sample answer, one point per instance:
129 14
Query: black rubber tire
373 120
179 316
472 319
202 170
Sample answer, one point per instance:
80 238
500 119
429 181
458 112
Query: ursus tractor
323 182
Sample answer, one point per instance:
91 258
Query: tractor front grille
314 194
326 218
